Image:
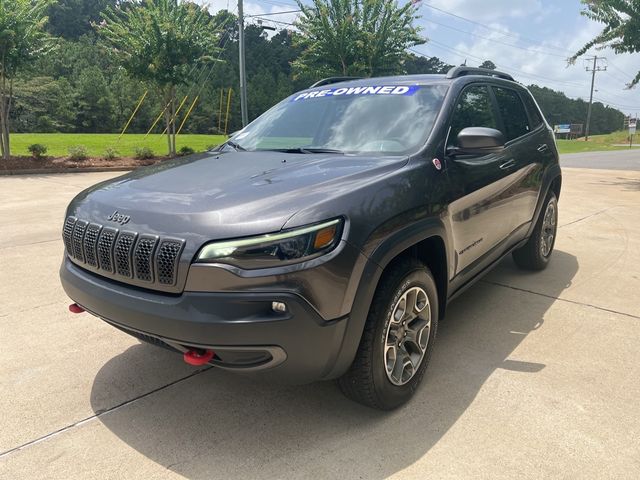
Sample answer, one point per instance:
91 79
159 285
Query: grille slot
105 248
143 258
136 258
123 250
67 233
77 239
91 244
167 260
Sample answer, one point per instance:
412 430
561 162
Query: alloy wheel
407 336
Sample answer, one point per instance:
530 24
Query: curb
41 171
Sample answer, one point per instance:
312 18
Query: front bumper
298 346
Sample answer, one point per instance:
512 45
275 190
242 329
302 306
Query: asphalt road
533 375
613 160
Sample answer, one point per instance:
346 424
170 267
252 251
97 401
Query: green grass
596 143
58 144
621 136
579 146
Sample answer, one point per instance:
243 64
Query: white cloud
542 62
538 27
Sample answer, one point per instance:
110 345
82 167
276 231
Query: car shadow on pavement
218 425
628 184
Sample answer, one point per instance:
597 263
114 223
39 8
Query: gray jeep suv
325 239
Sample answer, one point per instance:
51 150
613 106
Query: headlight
275 249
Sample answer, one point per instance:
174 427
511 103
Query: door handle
508 164
543 148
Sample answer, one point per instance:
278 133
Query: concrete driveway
534 375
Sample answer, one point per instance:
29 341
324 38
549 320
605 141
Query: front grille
123 254
167 259
78 238
91 244
143 255
123 250
105 249
67 233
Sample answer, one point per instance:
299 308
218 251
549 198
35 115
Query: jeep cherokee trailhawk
325 239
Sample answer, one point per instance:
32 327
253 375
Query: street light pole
243 72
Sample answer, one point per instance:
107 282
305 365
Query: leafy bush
37 150
184 151
111 154
144 153
78 154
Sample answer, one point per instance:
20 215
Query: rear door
526 149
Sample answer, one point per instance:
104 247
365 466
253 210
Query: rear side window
534 112
514 116
474 109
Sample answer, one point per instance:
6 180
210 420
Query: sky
530 39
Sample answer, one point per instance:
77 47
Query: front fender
390 247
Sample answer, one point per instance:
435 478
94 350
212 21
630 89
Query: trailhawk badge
119 218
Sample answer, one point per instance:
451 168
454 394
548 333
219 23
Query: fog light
279 307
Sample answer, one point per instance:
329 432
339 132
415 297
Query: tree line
95 72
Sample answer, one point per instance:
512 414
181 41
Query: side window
514 116
534 112
473 110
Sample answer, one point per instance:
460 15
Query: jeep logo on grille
119 218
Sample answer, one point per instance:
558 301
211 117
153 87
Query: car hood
226 195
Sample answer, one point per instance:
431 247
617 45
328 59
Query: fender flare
550 175
381 257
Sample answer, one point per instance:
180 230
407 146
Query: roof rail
330 80
457 72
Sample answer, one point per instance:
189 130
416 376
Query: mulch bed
51 163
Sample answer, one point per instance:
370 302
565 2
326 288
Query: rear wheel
398 338
535 254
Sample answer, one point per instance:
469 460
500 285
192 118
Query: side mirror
478 141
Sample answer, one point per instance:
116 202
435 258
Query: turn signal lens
324 237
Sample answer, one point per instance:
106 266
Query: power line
279 4
619 70
274 21
272 13
503 67
630 107
618 79
496 41
519 37
493 29
523 74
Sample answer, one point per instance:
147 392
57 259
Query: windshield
384 119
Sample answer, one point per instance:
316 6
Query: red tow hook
197 357
75 308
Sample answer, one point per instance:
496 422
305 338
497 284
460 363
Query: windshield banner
366 90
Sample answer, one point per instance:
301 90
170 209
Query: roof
420 79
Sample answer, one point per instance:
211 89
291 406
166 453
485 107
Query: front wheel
535 254
398 338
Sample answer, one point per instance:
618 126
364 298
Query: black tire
367 381
532 255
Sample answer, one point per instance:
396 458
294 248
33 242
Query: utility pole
243 71
596 68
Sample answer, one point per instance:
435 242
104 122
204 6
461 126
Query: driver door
483 190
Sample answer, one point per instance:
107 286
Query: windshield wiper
306 150
235 146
